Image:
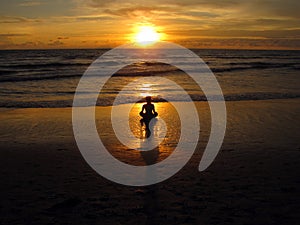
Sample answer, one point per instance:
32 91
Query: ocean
48 78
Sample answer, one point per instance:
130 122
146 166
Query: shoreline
228 98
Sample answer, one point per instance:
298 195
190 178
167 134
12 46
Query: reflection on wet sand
167 144
151 202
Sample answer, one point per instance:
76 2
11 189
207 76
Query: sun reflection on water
146 90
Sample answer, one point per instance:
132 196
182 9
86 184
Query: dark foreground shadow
151 205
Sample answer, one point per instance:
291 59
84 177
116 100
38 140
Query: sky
234 24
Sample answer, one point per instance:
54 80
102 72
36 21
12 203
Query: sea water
48 78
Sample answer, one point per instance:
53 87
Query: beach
253 180
149 112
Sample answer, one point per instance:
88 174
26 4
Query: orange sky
258 24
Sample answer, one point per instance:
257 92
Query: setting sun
146 35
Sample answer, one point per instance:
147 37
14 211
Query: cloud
6 39
13 35
17 19
181 3
236 8
8 44
92 18
56 43
243 43
291 34
133 12
30 44
276 8
62 38
158 13
214 14
30 3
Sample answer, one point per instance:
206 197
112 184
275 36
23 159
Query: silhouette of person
148 112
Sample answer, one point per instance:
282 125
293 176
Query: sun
146 35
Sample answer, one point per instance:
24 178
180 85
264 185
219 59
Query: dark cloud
13 35
62 38
94 18
56 43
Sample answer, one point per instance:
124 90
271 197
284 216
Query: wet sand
254 179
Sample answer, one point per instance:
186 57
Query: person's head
148 99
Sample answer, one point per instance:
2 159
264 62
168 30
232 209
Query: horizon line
108 48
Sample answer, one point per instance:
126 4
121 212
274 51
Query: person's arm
143 108
153 108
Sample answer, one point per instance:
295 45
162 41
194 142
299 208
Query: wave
37 77
146 73
63 70
234 66
56 77
44 65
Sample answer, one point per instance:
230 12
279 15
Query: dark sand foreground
254 179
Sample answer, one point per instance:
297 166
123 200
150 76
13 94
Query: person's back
149 109
148 114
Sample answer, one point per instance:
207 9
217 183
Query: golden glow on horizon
146 35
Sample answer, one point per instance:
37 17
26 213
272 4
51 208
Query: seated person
149 112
